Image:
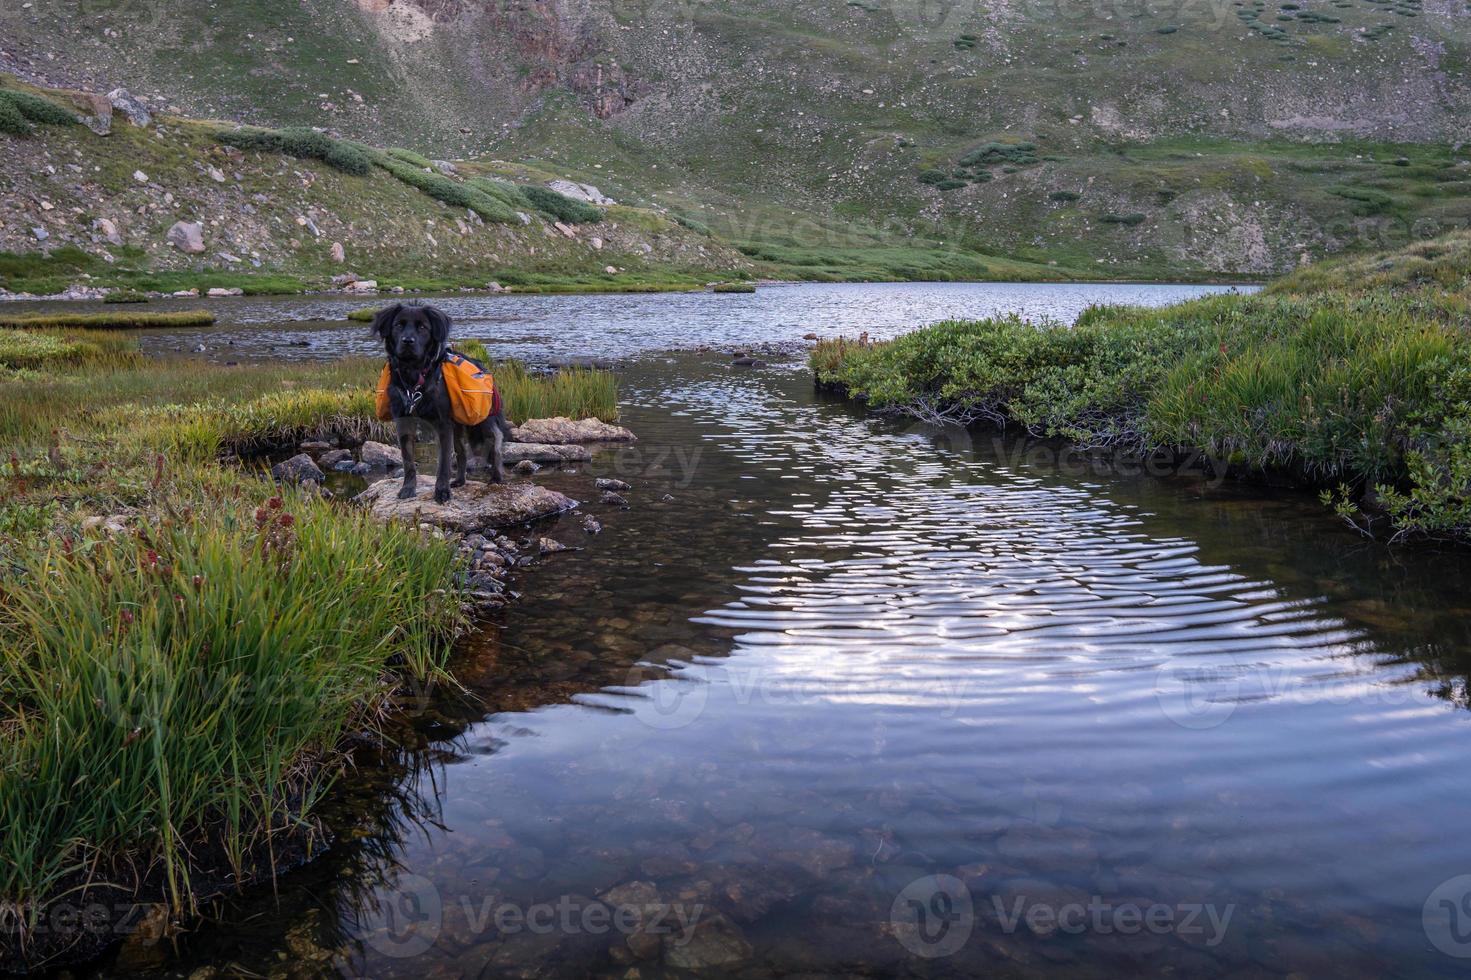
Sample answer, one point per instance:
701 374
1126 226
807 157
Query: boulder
298 469
562 431
187 236
133 110
518 452
339 255
332 457
380 456
586 193
473 507
219 292
99 116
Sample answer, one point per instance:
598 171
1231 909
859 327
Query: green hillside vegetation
1354 376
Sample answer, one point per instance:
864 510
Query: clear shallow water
620 325
865 699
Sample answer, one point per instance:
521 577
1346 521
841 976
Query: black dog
417 341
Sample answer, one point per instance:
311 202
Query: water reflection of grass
1352 374
173 692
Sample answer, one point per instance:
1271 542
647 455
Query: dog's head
412 333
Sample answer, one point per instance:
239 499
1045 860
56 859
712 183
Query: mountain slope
1230 137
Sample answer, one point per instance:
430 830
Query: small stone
591 524
612 499
606 483
809 336
219 292
339 255
140 176
548 546
108 230
332 457
526 467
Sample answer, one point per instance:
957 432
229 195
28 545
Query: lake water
621 325
839 696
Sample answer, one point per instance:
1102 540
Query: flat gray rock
538 452
474 507
562 431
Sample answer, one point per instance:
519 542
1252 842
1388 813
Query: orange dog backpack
472 394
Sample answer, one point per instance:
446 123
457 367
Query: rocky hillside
1144 137
155 201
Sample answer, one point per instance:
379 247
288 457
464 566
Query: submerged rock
298 469
517 452
560 431
473 507
607 483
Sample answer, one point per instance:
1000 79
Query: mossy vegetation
560 207
1352 376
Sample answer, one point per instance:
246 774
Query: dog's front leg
497 455
446 437
406 449
459 480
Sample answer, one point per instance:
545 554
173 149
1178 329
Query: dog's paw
441 495
498 476
408 491
457 483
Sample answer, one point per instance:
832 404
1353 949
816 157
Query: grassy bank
1352 376
120 320
174 691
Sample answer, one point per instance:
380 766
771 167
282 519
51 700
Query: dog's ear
439 321
383 322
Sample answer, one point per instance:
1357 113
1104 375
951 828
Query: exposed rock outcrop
474 507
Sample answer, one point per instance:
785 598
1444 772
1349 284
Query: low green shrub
125 296
409 156
447 191
1064 197
19 109
303 143
693 224
1129 220
504 191
11 121
560 207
